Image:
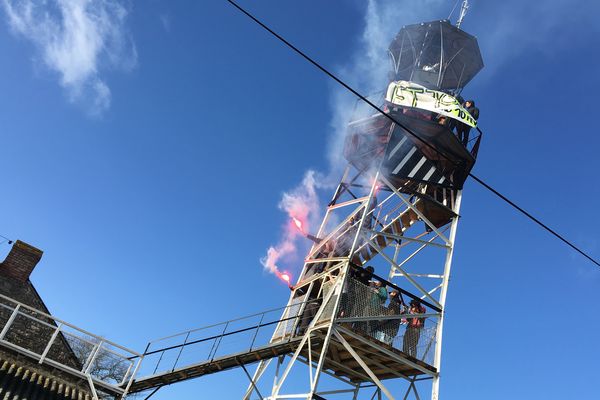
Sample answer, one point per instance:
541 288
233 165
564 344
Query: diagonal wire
363 98
338 80
534 219
453 8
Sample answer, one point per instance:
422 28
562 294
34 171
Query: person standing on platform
395 309
413 330
463 129
376 309
364 275
474 111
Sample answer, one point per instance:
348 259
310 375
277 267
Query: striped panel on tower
404 160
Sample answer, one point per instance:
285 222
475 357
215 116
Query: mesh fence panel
383 319
328 309
284 328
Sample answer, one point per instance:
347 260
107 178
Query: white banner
409 94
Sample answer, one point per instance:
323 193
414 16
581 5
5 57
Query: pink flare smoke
301 205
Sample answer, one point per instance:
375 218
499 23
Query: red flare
285 277
298 224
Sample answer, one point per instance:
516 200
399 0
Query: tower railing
388 320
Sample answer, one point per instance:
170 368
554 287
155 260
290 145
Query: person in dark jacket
463 129
364 275
395 308
474 111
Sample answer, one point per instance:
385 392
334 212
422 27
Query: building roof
21 377
21 381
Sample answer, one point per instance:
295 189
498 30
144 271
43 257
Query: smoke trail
301 203
367 71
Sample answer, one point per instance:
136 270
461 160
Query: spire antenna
463 11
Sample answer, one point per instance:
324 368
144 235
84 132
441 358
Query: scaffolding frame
328 326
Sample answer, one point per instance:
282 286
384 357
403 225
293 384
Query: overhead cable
6 240
363 98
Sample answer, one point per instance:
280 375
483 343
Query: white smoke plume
76 39
367 72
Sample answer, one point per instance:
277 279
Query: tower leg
260 369
435 388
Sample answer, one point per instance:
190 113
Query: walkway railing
241 335
105 365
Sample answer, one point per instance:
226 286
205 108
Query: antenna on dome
463 11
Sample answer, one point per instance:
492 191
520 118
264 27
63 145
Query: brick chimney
21 261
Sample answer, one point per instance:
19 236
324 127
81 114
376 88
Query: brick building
22 376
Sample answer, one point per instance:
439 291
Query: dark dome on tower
437 55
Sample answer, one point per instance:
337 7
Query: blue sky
146 152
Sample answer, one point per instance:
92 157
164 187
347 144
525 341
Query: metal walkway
216 365
218 347
384 360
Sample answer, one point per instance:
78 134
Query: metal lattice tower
396 209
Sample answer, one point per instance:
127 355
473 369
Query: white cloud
76 39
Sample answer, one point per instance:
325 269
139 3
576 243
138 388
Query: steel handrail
219 324
35 310
225 333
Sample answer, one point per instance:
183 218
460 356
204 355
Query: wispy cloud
521 27
165 21
77 39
